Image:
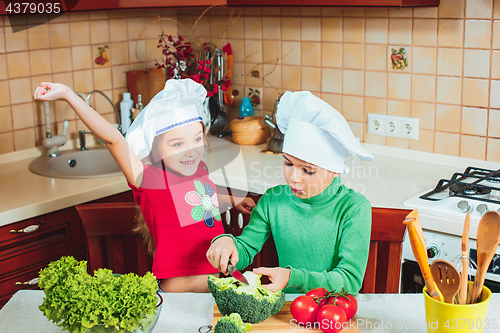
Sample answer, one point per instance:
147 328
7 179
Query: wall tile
354 12
310 11
495 65
352 82
475 92
399 86
425 113
271 27
290 77
334 100
6 116
376 12
450 33
310 29
494 123
495 94
118 30
477 34
310 54
4 98
22 116
253 50
102 106
290 28
291 53
479 9
425 141
357 129
331 55
331 29
2 40
354 30
354 56
424 60
496 35
78 16
374 139
253 27
80 33
290 11
24 139
311 78
83 81
474 121
330 11
493 150
377 30
449 90
82 57
16 41
352 108
398 143
376 84
3 67
477 63
103 79
446 143
38 37
137 51
496 9
64 78
217 27
400 12
238 47
135 26
99 32
427 12
40 62
271 52
375 105
449 62
20 91
400 31
398 108
120 76
424 32
61 60
101 15
448 118
451 8
119 53
423 88
272 76
18 64
473 147
376 57
331 80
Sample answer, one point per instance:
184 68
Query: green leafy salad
77 301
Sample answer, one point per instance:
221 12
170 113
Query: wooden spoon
488 237
465 261
447 279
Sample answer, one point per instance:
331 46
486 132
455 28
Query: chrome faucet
81 137
52 143
110 102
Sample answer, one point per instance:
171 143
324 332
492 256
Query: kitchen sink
91 163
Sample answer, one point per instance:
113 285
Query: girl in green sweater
320 227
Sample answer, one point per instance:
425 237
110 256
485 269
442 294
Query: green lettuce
77 301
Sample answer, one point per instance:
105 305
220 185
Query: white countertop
396 175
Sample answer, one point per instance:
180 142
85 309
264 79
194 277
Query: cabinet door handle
228 217
31 282
28 229
240 221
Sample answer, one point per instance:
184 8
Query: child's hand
220 251
279 277
246 205
51 91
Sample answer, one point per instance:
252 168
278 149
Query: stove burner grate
472 191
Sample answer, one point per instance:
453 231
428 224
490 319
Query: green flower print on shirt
205 202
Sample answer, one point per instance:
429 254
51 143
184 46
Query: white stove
442 213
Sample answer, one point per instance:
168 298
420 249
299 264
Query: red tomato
347 302
304 309
317 293
331 318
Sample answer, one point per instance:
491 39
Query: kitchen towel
180 313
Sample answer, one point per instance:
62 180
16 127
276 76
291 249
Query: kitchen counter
395 175
186 312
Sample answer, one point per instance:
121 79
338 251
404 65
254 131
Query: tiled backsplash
452 83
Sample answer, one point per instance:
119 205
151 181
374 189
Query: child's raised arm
119 148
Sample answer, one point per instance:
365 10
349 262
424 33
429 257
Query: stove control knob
482 208
432 251
463 206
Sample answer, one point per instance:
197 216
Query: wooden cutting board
145 82
281 322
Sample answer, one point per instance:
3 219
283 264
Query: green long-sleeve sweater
324 240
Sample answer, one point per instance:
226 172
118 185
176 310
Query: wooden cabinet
30 245
335 3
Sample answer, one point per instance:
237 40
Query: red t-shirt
182 213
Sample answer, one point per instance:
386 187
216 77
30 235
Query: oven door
412 280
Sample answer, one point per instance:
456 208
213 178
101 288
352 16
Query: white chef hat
316 133
177 104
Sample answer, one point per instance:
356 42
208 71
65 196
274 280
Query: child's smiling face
182 148
306 180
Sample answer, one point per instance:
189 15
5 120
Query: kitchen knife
236 273
417 241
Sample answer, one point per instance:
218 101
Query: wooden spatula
447 279
465 261
488 237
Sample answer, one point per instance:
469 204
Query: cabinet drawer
8 285
45 238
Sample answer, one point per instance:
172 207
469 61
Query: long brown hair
155 159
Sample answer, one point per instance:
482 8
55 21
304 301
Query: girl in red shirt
178 201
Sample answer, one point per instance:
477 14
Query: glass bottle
246 108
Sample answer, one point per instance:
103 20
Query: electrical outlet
376 124
409 128
392 126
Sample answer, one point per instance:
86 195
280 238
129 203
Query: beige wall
342 55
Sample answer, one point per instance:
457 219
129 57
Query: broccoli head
252 302
231 324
